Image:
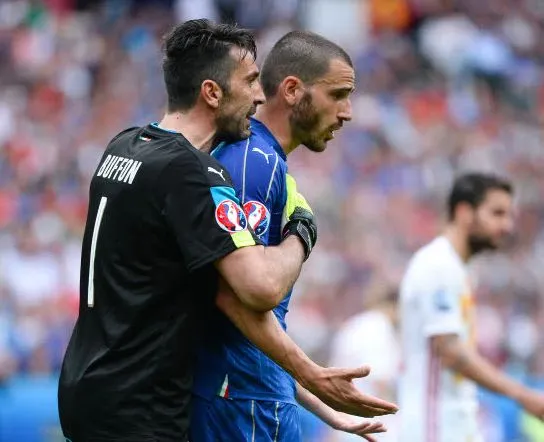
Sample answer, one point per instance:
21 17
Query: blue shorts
244 420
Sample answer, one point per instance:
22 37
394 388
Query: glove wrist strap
299 229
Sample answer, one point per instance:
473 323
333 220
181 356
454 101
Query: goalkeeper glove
298 218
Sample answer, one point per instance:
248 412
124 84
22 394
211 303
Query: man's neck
197 128
389 309
459 241
276 119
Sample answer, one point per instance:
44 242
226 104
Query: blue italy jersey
228 364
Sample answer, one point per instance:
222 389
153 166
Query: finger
355 373
369 438
353 402
355 408
362 428
376 427
379 412
372 429
366 434
381 406
370 425
361 410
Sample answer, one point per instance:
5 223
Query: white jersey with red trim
436 404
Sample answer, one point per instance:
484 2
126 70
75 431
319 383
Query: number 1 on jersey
98 221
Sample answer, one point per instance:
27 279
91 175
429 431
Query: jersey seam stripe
244 173
253 420
432 394
277 422
271 178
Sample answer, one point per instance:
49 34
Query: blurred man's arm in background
458 357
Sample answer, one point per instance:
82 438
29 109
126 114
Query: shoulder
258 146
189 163
127 133
436 256
235 149
122 136
433 263
254 150
261 153
253 164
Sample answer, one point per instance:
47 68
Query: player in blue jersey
239 393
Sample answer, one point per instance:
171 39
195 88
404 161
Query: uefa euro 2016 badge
443 300
258 216
230 216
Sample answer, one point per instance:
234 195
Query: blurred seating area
443 86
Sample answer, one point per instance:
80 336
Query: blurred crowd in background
443 86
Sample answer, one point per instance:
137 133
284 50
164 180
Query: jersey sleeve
258 174
203 211
440 294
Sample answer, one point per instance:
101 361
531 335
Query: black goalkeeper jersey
160 213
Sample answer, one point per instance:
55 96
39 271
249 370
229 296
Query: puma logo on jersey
212 170
119 169
265 155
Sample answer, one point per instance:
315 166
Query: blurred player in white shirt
440 364
372 337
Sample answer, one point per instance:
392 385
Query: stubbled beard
479 243
227 130
305 119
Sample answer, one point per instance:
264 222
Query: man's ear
464 213
292 89
211 93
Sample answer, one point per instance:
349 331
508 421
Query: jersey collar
156 126
158 131
263 131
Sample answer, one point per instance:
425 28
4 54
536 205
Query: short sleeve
440 292
257 174
201 208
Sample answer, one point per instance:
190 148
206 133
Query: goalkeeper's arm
262 276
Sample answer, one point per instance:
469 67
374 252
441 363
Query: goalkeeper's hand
298 218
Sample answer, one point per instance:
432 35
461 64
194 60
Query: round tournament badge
230 216
258 216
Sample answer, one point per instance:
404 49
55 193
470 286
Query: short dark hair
302 54
198 50
472 188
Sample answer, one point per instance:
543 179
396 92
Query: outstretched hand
334 386
360 428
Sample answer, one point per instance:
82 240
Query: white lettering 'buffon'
119 169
